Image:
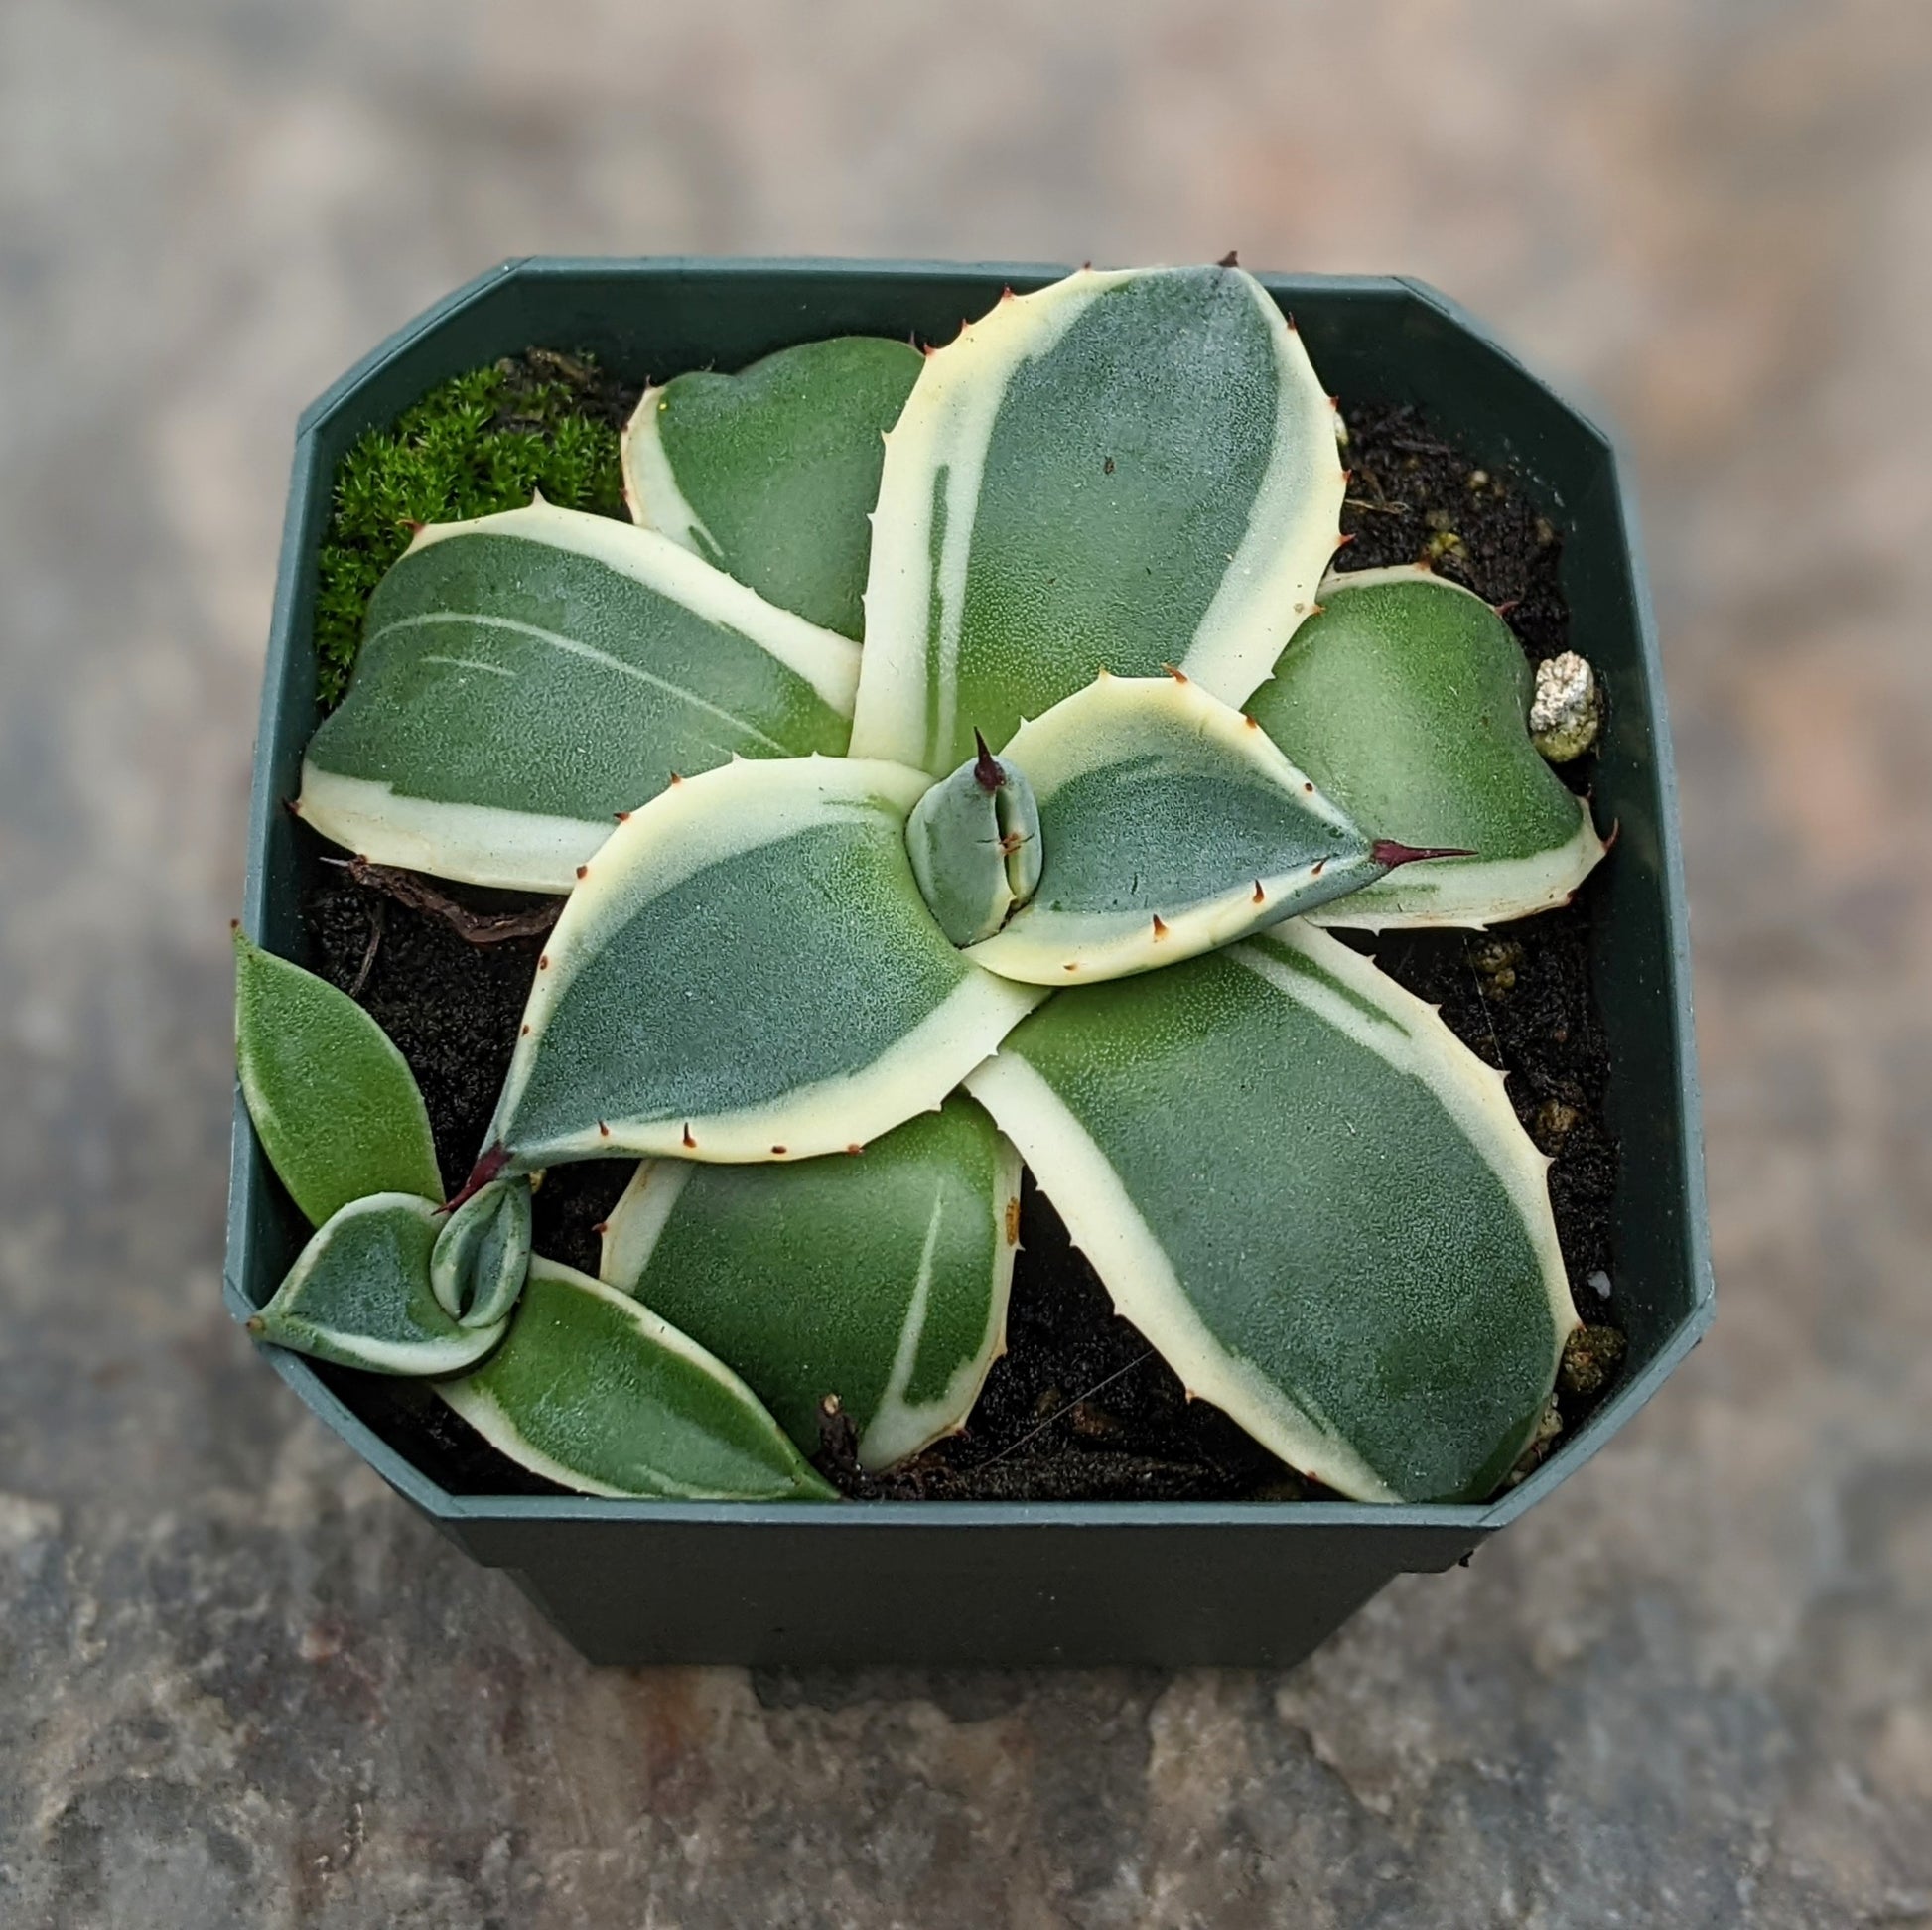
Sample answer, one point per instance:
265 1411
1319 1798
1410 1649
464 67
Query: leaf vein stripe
591 654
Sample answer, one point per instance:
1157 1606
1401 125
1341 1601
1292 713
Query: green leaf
595 1393
1407 699
1122 471
974 842
335 1106
1311 1200
1169 825
483 1253
748 972
360 1295
771 473
882 1280
527 677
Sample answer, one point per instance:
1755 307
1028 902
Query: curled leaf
482 1254
974 841
360 1295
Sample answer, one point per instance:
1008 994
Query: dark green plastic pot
943 1583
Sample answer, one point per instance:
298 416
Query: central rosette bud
974 842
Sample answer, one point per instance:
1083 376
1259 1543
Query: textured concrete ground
240 1685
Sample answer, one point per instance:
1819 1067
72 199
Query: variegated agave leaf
527 677
771 473
1311 1200
881 1279
748 971
360 1295
1169 825
1406 700
1122 471
596 1393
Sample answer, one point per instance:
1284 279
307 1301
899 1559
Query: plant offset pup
978 804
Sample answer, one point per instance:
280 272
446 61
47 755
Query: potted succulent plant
961 758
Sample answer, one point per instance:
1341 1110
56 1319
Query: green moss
479 442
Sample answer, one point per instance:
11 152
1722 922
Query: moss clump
479 442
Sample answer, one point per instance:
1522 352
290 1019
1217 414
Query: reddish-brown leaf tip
1159 928
987 773
1232 259
1387 852
480 1175
689 1139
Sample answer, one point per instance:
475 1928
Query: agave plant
955 763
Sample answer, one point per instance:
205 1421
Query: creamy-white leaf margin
1143 1278
1469 893
524 850
1135 736
757 1270
742 826
916 588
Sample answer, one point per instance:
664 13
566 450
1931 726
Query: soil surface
1078 1408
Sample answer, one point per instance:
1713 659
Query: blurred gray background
239 1684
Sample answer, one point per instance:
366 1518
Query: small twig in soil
478 928
1059 1413
838 1444
369 951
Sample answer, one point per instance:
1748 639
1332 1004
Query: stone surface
239 1685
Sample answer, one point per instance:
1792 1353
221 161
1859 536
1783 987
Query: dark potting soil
1079 1407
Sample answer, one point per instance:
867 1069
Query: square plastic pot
951 1583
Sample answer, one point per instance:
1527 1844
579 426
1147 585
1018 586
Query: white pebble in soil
1568 710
